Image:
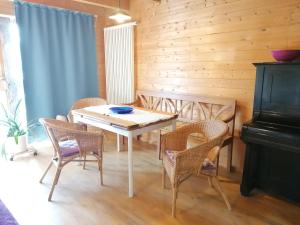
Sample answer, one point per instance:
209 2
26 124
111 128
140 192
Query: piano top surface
276 63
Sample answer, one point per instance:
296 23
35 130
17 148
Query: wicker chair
71 142
180 162
85 102
82 103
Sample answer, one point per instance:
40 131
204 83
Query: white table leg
119 142
130 166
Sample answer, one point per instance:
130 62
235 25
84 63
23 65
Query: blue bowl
121 110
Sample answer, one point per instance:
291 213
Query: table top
129 122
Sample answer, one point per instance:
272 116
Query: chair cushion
69 148
208 165
170 156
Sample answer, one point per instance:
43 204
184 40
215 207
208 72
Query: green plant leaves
10 122
14 128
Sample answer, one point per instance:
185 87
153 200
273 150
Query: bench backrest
190 108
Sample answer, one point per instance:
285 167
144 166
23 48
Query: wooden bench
192 108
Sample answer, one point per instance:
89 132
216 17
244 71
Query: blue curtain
58 53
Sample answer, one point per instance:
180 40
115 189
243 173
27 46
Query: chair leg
174 201
163 178
104 135
218 187
210 182
58 171
49 166
217 165
100 170
101 177
158 145
229 157
84 160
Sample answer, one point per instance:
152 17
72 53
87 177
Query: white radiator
119 63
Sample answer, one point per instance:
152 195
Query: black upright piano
272 137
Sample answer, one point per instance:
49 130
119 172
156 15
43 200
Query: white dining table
137 122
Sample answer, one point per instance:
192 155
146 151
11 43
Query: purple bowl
285 55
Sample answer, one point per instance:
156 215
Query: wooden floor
78 198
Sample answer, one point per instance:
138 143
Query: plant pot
12 147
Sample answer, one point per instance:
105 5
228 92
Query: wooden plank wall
208 46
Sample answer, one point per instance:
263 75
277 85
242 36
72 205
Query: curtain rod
56 7
100 5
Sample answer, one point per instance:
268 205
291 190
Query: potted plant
15 133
